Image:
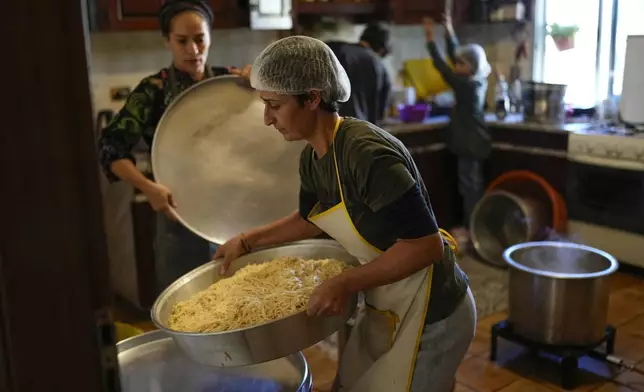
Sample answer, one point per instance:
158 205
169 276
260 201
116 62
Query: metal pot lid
227 171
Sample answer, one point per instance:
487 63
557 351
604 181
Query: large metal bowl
257 344
502 219
152 362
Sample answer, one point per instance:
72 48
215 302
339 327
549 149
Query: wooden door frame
55 326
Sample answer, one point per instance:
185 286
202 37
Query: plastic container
424 77
413 113
126 331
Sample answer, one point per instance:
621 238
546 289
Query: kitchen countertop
514 121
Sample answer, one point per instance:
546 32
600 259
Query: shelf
339 8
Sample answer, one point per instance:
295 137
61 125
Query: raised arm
451 42
450 77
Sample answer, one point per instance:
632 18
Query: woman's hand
160 199
447 17
429 24
244 72
329 298
231 250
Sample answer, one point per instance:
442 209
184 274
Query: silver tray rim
154 157
155 310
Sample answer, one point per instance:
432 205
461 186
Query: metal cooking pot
543 103
261 343
152 362
559 292
502 219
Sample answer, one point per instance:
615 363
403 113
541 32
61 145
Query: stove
569 355
608 146
605 192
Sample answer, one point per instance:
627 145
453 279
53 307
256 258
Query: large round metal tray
152 362
227 171
261 343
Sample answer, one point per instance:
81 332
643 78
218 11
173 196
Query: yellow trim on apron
367 345
430 275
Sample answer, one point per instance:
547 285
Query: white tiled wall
123 59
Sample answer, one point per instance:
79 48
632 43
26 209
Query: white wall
123 59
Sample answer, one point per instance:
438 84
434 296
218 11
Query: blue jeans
470 185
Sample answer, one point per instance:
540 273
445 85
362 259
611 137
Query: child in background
468 136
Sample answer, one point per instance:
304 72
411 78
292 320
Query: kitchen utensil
152 362
558 292
543 103
424 77
502 219
413 113
261 343
228 172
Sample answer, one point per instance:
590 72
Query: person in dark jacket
185 26
370 81
468 136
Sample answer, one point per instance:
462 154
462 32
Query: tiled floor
515 370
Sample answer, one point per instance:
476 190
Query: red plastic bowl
413 113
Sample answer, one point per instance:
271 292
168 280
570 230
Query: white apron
380 354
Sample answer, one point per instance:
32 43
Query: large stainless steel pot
502 219
152 362
559 292
543 103
258 344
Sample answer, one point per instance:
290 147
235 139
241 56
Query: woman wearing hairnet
360 185
468 136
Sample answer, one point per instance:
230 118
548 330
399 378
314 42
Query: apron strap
447 237
335 159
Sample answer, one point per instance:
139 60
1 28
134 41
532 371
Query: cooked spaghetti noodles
256 294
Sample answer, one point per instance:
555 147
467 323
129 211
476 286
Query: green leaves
557 30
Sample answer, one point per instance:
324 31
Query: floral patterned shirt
139 117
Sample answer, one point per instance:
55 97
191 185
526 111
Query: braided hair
172 8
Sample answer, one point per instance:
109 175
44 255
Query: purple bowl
413 113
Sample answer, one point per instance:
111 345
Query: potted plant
563 36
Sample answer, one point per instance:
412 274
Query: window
593 69
575 67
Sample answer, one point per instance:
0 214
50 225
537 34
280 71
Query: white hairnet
474 55
297 65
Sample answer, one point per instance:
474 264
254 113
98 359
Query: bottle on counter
502 100
517 97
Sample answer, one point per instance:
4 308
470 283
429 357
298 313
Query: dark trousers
470 185
177 251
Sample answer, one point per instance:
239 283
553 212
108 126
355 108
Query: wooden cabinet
437 167
413 11
543 153
129 15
